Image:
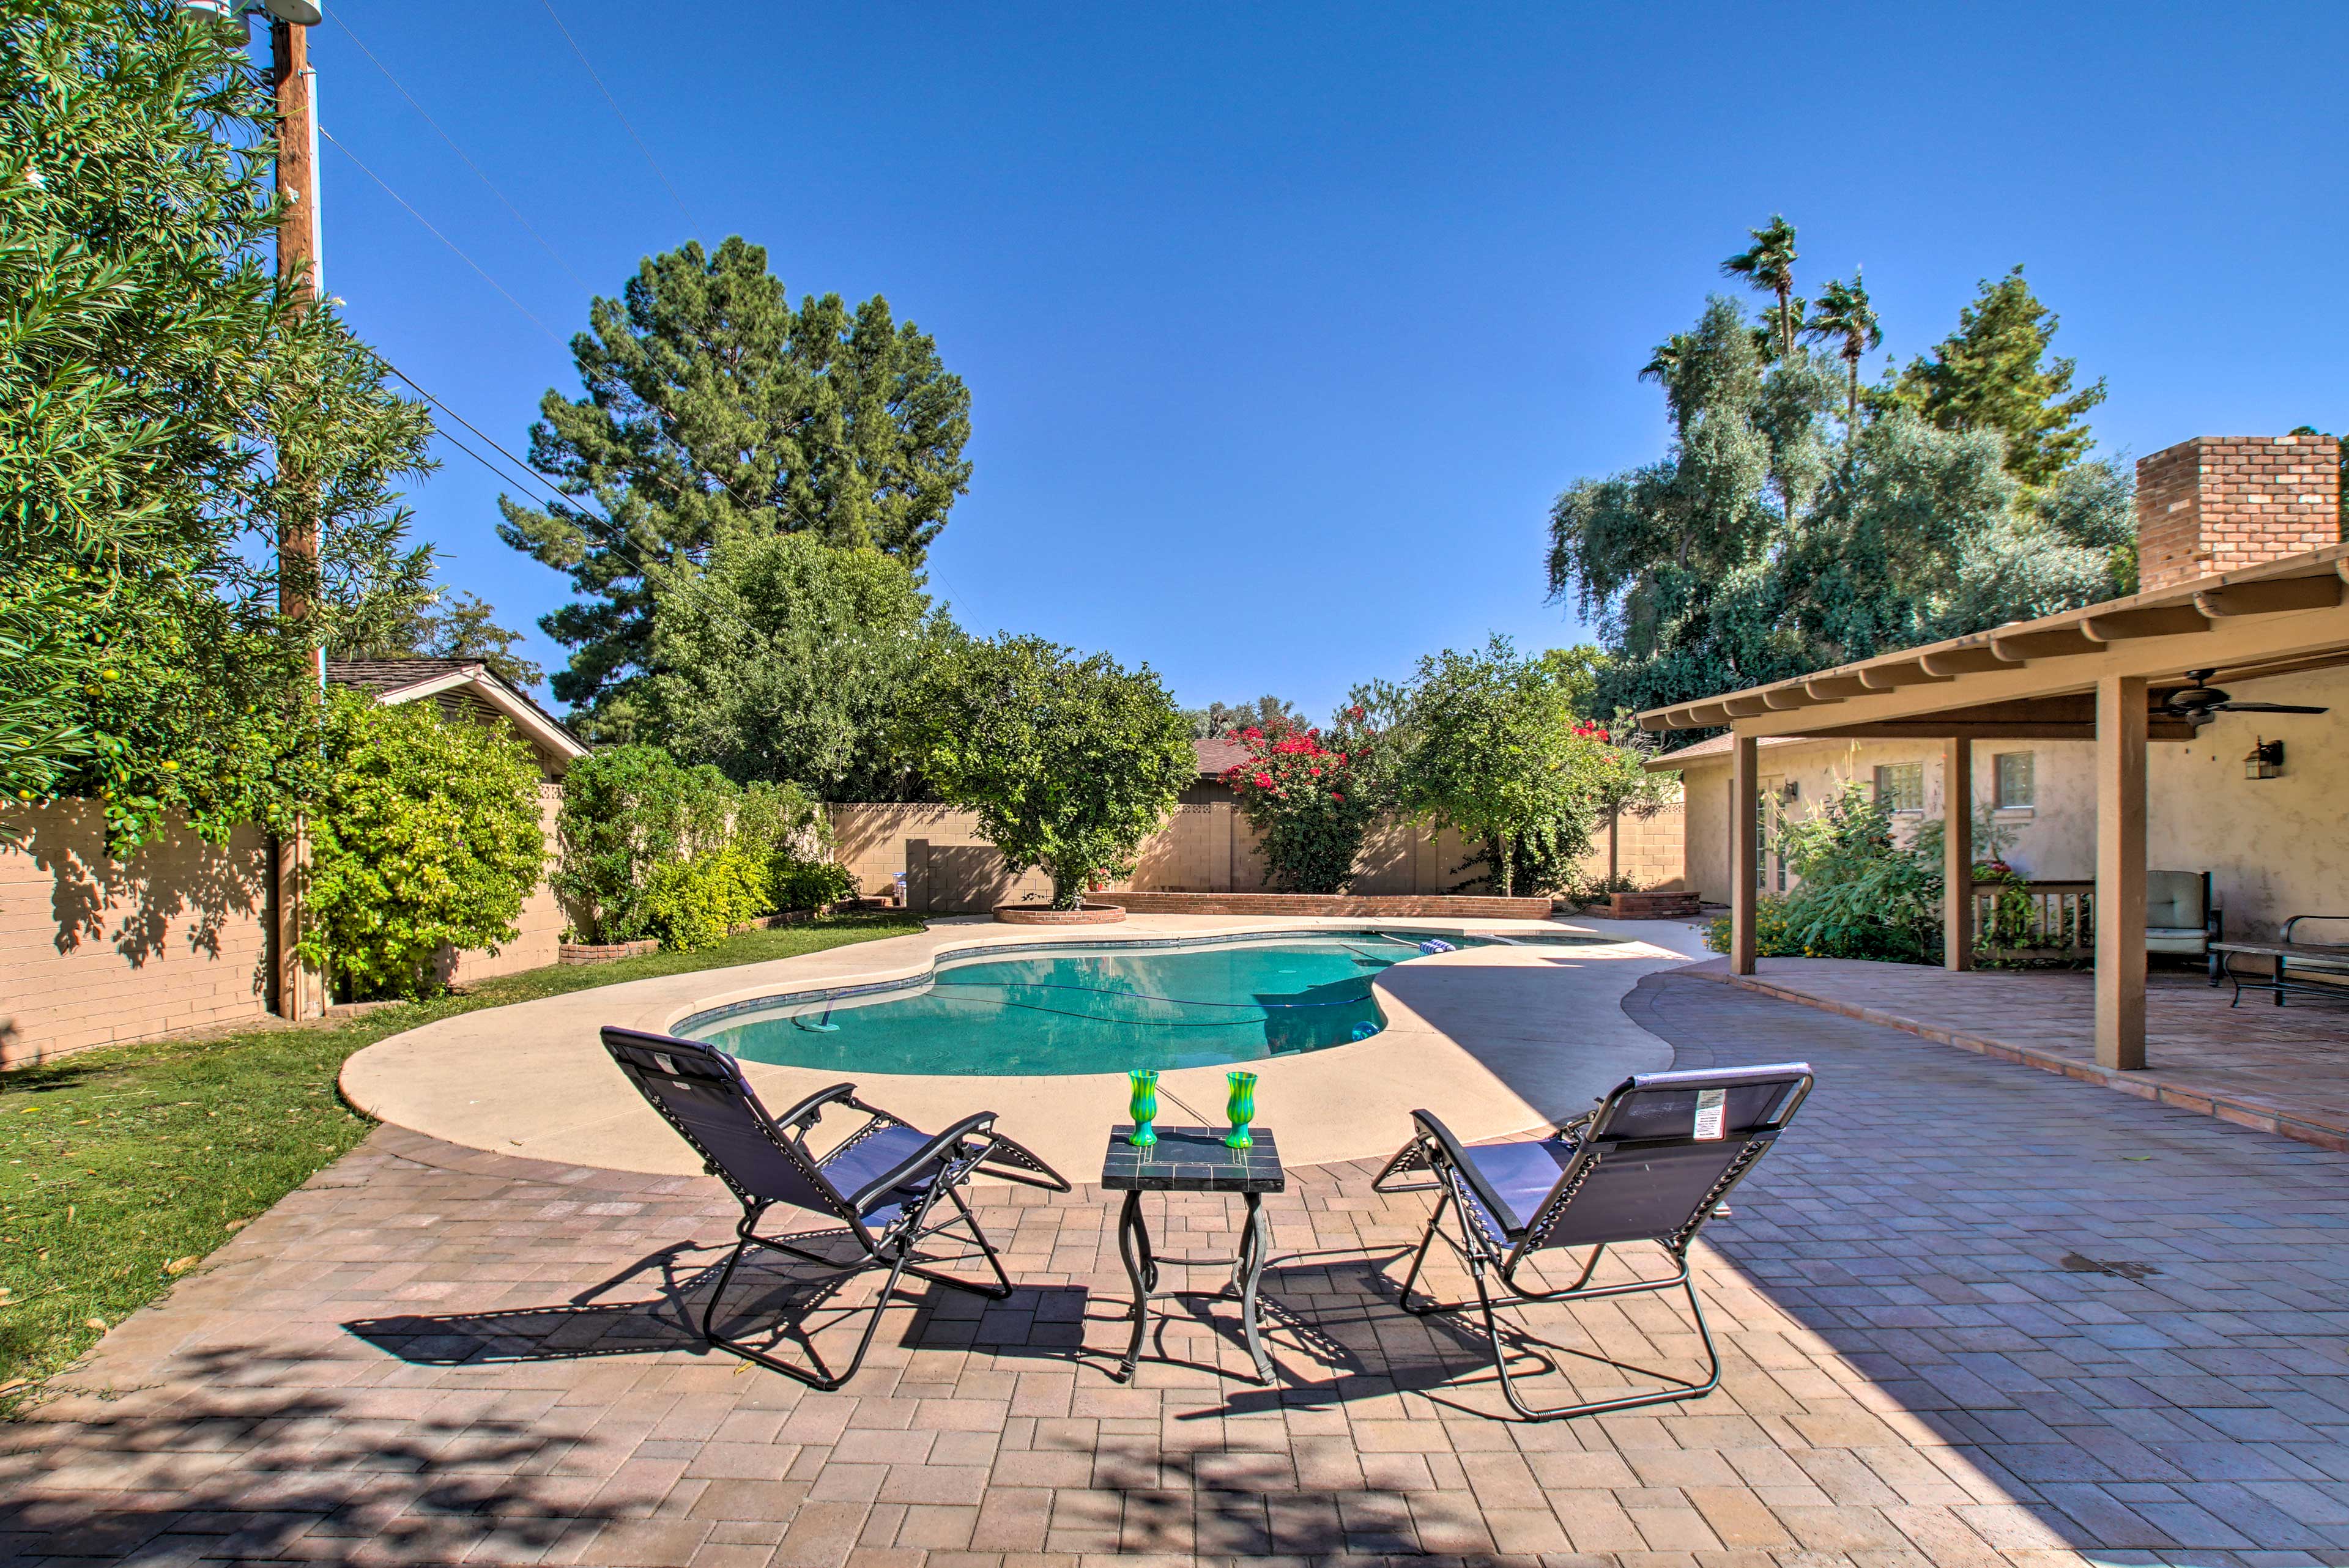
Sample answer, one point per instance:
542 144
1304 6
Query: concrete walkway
1518 1037
1973 1315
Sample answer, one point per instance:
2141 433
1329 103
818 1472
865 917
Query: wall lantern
2265 759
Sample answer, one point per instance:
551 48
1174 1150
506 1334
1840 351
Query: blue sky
1283 325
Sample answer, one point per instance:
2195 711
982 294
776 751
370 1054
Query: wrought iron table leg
1255 1243
1134 1246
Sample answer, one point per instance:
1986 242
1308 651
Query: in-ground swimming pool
1087 1008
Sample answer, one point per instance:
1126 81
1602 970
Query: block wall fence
1204 847
98 952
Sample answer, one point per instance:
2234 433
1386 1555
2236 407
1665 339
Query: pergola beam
2061 641
2278 597
1965 661
1892 677
2157 621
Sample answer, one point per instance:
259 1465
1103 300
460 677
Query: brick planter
605 952
1435 906
1655 906
1038 915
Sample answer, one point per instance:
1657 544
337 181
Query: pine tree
710 403
1995 374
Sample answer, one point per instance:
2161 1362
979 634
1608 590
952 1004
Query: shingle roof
1718 746
392 675
1217 756
386 676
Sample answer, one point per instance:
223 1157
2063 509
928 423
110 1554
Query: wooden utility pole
300 987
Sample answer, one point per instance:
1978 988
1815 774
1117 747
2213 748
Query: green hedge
652 848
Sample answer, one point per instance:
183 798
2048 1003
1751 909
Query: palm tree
1844 316
1770 265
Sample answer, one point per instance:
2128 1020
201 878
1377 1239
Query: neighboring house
466 685
1216 758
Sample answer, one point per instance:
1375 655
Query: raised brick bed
605 952
1438 906
1655 906
1039 915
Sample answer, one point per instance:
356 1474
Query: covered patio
2104 674
2279 1070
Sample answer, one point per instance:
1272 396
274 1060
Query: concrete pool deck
1496 1039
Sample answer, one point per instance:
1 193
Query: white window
2016 790
1900 785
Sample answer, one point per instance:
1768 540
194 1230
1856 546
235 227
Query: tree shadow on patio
775 1306
242 1470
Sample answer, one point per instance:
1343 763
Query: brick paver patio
1972 1314
2281 1069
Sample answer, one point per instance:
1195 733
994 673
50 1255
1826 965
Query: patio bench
2310 958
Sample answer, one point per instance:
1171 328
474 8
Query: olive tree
1068 762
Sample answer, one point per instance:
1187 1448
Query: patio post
1744 850
1957 854
2121 718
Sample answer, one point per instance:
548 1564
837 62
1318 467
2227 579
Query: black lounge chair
1651 1163
879 1184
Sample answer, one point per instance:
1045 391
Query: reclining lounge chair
1651 1163
878 1185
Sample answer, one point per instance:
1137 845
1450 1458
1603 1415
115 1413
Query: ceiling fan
2198 703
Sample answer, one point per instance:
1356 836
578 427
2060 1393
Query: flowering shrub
426 837
1310 799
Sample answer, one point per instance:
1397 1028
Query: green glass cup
1242 1110
1144 1107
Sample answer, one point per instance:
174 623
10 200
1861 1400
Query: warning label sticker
1711 1111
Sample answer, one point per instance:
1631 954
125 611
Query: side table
1194 1160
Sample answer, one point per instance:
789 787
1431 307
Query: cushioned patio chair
1652 1164
2181 917
878 1185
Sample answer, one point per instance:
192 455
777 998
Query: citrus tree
1068 762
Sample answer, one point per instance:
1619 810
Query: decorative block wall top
2219 504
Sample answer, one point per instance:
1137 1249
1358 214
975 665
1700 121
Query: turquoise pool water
1085 1008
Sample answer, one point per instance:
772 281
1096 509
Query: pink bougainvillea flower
1335 796
1264 781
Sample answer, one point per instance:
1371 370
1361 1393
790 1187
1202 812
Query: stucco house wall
2275 847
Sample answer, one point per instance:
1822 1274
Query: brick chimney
2218 503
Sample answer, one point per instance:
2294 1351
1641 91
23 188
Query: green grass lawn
120 1168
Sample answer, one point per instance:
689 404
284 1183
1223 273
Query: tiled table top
1192 1159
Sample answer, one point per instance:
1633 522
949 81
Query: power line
336 16
444 239
659 172
520 467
